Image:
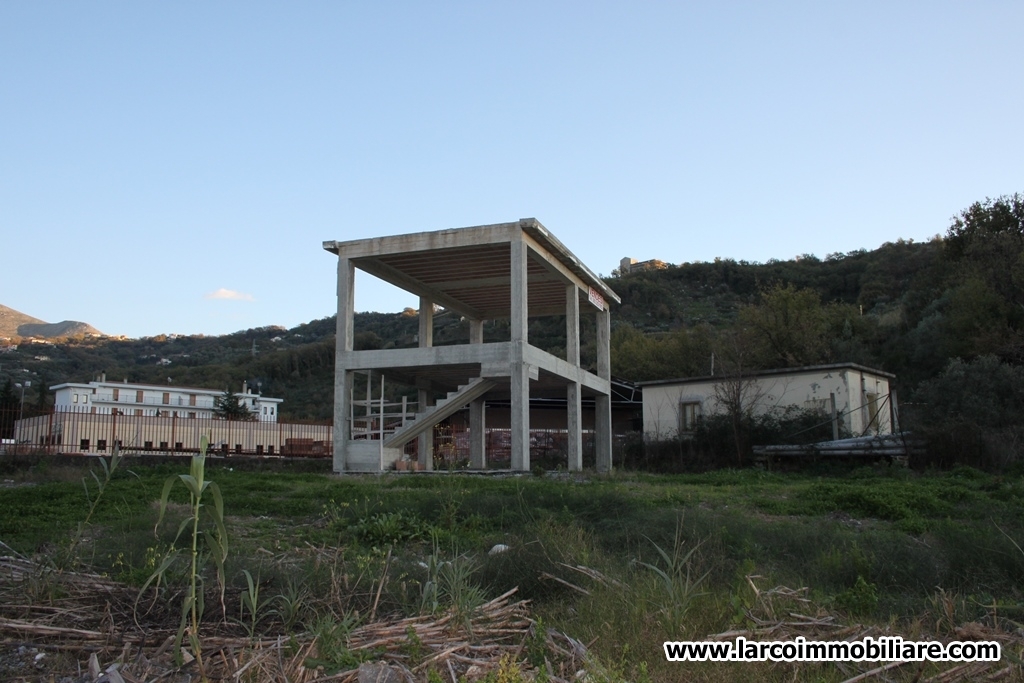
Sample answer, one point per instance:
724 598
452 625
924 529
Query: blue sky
175 167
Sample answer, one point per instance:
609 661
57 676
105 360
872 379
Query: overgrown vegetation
618 563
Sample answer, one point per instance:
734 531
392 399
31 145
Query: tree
739 394
991 220
8 410
228 407
985 251
974 413
791 326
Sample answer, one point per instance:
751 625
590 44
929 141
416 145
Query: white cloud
229 294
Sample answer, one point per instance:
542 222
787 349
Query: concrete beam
533 228
552 264
425 241
494 353
497 281
410 284
556 366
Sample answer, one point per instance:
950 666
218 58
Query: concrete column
520 372
346 303
477 411
478 434
426 319
425 441
574 423
342 377
603 403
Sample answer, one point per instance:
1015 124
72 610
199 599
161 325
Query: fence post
835 418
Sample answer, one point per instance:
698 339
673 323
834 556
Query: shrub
712 444
973 415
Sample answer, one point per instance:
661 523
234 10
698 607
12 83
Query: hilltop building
629 265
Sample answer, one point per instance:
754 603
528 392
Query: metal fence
79 431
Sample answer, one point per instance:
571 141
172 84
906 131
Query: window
163 445
138 412
689 413
139 396
116 396
148 445
271 410
167 398
270 449
84 444
85 398
101 445
191 399
191 414
74 398
177 445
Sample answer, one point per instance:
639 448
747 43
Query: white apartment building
103 398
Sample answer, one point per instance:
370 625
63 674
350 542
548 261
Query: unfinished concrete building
511 271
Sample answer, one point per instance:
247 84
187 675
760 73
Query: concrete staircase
426 419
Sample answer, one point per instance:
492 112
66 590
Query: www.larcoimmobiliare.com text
883 649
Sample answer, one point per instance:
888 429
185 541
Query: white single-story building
103 398
863 398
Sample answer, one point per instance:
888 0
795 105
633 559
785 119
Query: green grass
872 543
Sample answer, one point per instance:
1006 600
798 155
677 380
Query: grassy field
620 563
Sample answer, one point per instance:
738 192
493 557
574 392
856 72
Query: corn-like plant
215 539
449 586
250 600
290 604
94 498
678 584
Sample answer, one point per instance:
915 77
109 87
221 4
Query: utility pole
21 410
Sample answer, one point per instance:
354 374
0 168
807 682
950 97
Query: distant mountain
16 324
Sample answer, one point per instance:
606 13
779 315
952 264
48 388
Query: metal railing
77 430
176 401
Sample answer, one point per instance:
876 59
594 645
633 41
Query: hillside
906 307
666 327
17 324
11 320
